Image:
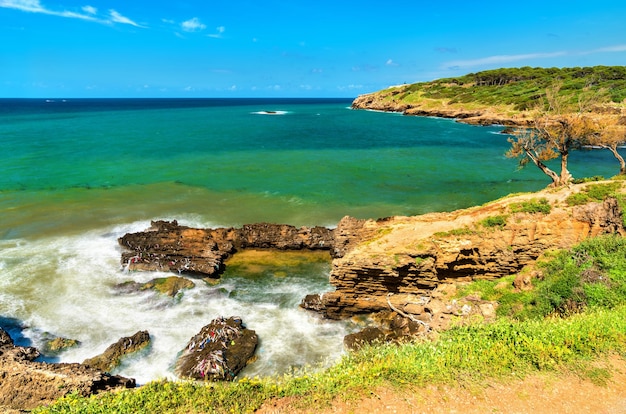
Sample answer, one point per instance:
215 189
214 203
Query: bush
533 206
495 221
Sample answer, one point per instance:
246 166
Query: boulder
27 384
112 357
218 352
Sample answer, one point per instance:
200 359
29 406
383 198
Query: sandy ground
536 394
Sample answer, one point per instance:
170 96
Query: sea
77 174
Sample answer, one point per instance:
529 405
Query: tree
610 135
557 130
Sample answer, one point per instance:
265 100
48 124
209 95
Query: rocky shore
384 101
400 272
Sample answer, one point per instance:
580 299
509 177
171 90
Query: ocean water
78 174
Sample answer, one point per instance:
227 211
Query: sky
290 48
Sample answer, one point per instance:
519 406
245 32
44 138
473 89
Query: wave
270 113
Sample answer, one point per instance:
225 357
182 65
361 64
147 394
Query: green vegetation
575 313
533 206
596 192
520 88
495 221
463 231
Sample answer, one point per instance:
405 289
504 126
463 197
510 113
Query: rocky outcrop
167 246
385 101
112 357
26 384
218 352
402 258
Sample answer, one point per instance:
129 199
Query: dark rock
313 302
25 384
218 352
167 246
112 356
369 335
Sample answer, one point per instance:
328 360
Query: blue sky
321 48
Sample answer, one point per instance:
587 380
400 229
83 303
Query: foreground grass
464 354
587 284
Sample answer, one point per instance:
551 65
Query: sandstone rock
218 352
58 345
26 384
113 355
413 256
167 246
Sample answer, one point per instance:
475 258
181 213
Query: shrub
532 206
494 221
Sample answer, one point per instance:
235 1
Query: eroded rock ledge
397 261
168 246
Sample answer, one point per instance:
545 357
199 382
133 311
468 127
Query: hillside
503 96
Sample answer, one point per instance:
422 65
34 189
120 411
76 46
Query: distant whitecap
270 113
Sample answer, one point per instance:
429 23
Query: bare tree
611 134
557 131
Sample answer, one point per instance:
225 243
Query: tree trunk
566 176
556 180
617 155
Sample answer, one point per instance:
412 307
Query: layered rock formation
167 246
25 384
397 261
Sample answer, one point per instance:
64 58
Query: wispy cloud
219 31
503 59
500 59
89 13
192 25
390 62
118 18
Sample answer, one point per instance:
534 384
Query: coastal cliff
394 262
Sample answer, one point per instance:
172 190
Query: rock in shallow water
218 352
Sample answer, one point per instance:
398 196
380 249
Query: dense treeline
523 87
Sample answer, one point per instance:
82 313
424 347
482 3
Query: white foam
65 286
270 113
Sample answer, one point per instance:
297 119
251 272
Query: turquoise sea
77 174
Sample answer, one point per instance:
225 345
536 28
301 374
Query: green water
77 175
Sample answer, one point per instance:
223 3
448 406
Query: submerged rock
171 286
112 356
26 384
218 352
57 345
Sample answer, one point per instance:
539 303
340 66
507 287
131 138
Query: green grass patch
463 231
498 221
533 206
594 192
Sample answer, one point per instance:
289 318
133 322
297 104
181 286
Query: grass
593 192
575 314
533 206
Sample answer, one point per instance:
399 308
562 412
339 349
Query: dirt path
536 394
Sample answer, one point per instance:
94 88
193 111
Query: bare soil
535 394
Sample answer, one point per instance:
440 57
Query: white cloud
24 5
219 31
193 25
501 59
118 18
90 10
390 62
